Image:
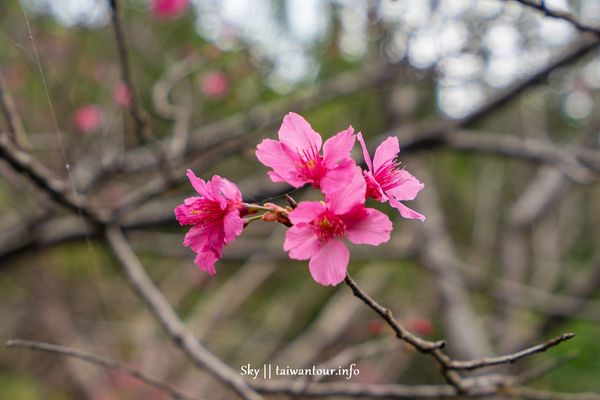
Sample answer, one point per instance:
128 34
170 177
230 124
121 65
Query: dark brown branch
422 345
510 358
97 360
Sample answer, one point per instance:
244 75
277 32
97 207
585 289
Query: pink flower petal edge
320 227
386 181
296 157
215 217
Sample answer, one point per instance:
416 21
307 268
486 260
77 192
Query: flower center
310 164
388 174
206 212
327 225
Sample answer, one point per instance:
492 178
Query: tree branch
167 317
97 360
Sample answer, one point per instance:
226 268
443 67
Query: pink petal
328 266
301 242
387 150
408 189
199 184
214 187
307 211
338 147
181 213
405 211
366 155
339 177
350 196
272 154
230 191
233 225
297 134
201 238
368 226
206 261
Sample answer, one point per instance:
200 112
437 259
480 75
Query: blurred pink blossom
215 85
169 9
88 118
422 326
122 94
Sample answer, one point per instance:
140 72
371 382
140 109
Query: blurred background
495 106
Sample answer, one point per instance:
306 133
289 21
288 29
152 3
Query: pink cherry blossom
319 228
214 84
386 181
295 158
88 118
122 94
169 9
215 216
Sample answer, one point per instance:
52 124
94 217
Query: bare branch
165 314
97 360
510 358
422 345
40 175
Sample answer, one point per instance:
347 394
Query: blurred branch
565 16
97 360
165 314
23 162
14 123
395 391
140 117
434 134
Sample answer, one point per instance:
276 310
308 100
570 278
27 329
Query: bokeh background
495 106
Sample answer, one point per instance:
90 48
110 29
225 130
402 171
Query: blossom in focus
386 181
214 85
88 118
216 216
319 227
122 94
295 158
169 9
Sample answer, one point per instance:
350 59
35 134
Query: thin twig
425 346
140 118
97 360
509 358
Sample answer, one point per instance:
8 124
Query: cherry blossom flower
122 94
319 228
169 9
214 85
386 181
88 118
295 158
216 217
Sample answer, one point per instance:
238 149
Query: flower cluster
317 229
